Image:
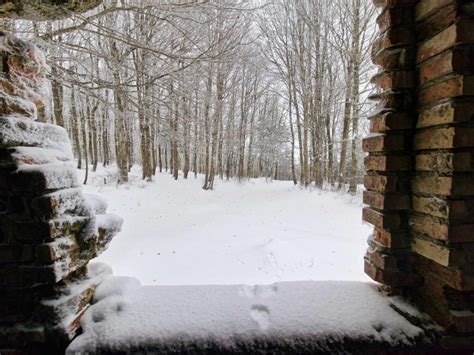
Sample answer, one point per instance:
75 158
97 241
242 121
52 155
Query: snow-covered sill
287 317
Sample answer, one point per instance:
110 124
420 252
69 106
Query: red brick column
420 167
390 162
442 220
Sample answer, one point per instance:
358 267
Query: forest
223 88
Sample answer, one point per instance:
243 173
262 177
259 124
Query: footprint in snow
261 315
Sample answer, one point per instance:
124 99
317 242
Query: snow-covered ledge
287 317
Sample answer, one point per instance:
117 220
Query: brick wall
48 230
420 163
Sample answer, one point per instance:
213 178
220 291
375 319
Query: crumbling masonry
48 229
420 163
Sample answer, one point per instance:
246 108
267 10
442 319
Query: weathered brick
440 254
446 276
390 239
446 112
444 185
452 86
389 221
445 162
66 201
460 32
394 79
433 206
380 260
387 202
390 277
61 248
394 58
395 16
391 121
394 100
383 183
395 37
388 162
444 138
441 230
440 19
378 143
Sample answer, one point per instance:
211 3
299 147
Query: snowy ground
256 232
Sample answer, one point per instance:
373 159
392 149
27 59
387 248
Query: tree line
223 88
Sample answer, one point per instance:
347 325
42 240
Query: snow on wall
24 83
17 131
169 318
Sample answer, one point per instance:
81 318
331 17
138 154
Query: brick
390 239
460 32
33 134
387 202
425 8
378 143
463 321
441 254
444 138
455 278
453 86
388 162
394 79
445 162
391 121
60 248
444 185
390 277
395 16
440 20
394 100
401 58
39 179
441 230
389 221
380 260
437 67
383 183
445 113
395 37
66 201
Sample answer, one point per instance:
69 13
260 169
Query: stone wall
48 229
420 163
